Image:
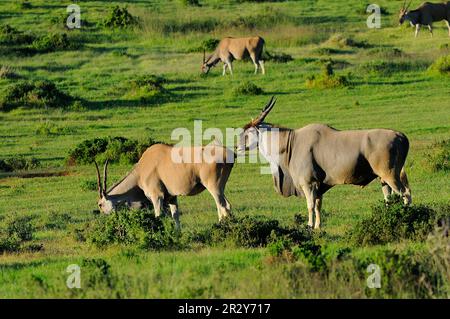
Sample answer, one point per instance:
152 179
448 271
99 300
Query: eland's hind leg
387 190
395 183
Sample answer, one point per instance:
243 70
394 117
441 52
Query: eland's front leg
310 191
173 205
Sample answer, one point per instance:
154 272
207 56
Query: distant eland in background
426 14
230 49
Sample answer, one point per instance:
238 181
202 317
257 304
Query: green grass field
401 94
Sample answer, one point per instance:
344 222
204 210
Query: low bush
18 163
15 232
386 68
54 220
145 87
441 65
395 221
115 149
89 185
386 52
99 273
54 42
133 227
33 94
250 231
11 36
438 156
119 17
24 5
50 129
327 80
248 88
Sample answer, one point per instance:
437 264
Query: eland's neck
273 142
125 185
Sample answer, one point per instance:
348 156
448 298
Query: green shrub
438 156
386 52
11 36
250 231
327 80
49 129
54 42
393 222
33 94
441 65
99 273
15 231
312 255
119 17
18 163
146 86
402 270
386 68
133 227
115 149
89 185
210 44
24 5
248 88
54 220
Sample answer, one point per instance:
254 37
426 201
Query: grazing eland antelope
310 160
165 172
230 49
426 14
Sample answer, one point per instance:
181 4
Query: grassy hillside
388 86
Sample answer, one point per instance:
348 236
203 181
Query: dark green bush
15 232
438 156
33 94
248 88
54 220
89 185
49 129
119 17
18 163
11 36
327 79
386 52
387 68
99 273
250 231
441 65
116 149
393 222
54 42
133 227
146 87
